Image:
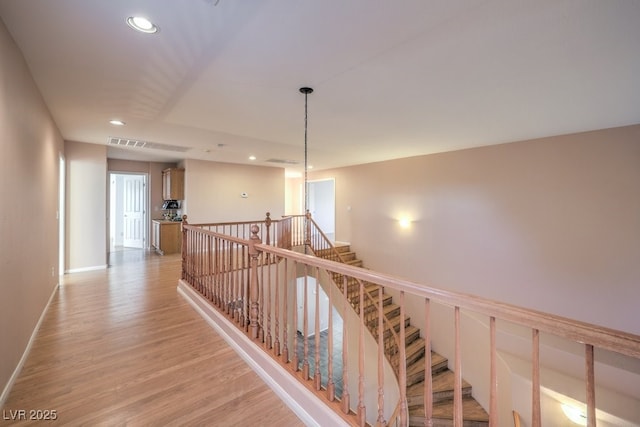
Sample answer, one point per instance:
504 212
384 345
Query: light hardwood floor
121 347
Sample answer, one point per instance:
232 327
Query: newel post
267 223
253 285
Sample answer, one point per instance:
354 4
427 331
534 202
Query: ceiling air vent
283 161
124 142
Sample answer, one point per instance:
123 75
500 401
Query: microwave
170 204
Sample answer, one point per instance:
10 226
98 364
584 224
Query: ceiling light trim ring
142 24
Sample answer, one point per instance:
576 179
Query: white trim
308 407
23 359
80 270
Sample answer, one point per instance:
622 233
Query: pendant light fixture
307 231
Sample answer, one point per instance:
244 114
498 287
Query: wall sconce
574 414
404 222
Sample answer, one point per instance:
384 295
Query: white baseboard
80 270
308 407
25 354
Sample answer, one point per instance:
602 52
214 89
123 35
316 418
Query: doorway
322 205
61 214
128 223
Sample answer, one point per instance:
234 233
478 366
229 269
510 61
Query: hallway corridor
121 347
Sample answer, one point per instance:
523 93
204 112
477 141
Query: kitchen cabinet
166 236
173 184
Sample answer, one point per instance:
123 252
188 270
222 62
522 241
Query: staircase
442 378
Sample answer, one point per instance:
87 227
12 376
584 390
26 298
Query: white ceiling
392 78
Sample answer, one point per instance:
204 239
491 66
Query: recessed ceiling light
252 157
142 24
117 122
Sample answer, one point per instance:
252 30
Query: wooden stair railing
249 281
221 269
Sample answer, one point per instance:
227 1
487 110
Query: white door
134 211
311 306
322 205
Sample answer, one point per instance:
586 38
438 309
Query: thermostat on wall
244 195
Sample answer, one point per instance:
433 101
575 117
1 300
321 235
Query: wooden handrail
587 333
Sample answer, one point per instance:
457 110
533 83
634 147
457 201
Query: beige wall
30 145
212 192
86 206
550 224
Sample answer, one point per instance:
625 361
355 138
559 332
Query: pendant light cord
306 91
306 166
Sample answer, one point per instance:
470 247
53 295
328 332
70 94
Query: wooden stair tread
471 410
342 247
443 381
415 371
414 354
442 389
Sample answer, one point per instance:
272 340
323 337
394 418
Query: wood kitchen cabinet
173 184
166 236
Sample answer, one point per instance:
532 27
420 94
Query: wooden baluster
345 350
199 262
238 280
196 237
185 247
457 388
207 276
268 342
201 243
591 386
381 420
244 287
307 233
225 279
331 389
362 419
235 280
403 366
216 272
253 252
276 344
493 375
317 375
263 300
305 327
212 260
220 272
267 223
285 313
296 356
244 276
536 418
231 278
428 370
